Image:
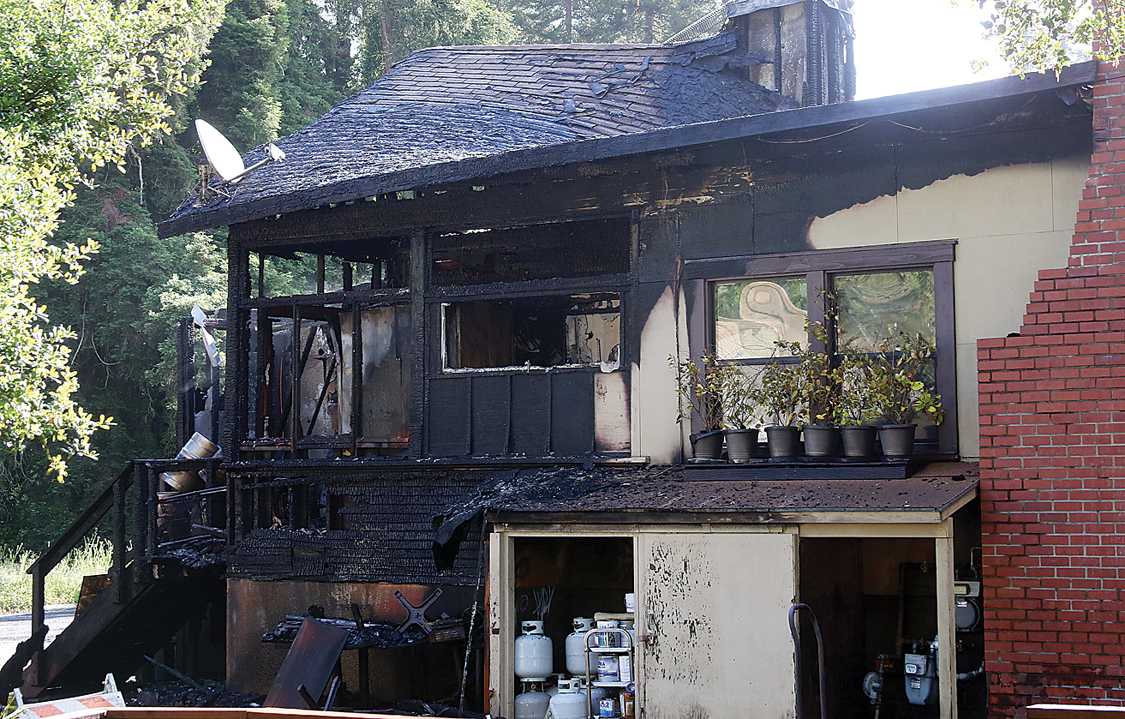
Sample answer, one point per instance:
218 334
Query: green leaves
81 81
1040 35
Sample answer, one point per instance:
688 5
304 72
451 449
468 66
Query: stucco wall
1009 222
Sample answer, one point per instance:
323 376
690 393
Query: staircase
150 594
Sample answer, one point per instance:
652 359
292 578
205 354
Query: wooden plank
946 624
895 257
449 417
572 413
531 414
1072 711
491 414
946 358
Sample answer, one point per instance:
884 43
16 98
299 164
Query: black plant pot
822 440
741 444
897 440
783 442
859 442
707 445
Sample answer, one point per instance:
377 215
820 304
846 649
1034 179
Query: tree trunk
568 19
385 35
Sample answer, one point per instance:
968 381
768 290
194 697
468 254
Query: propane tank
569 703
532 702
534 652
554 688
576 645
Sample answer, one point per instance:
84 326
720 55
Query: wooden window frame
819 267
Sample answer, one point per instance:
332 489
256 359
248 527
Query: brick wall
1052 406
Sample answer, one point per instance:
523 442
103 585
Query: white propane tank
554 689
532 703
576 645
534 652
569 703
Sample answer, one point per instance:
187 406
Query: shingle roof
449 104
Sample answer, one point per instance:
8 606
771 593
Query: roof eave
631 144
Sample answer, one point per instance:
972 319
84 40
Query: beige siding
1010 222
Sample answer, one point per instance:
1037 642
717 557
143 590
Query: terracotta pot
897 440
783 442
822 441
859 442
707 445
741 444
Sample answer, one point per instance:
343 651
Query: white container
631 603
627 625
531 703
607 708
625 668
607 639
608 668
553 690
569 703
576 645
534 652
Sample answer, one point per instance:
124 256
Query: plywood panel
572 414
714 610
531 414
448 423
611 413
492 414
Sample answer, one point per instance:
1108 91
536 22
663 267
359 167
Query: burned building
450 316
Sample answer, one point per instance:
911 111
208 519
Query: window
755 301
559 331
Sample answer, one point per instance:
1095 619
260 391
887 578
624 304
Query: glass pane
876 305
750 315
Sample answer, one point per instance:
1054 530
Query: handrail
78 529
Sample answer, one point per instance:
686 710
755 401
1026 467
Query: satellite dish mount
225 160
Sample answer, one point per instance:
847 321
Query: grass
63 583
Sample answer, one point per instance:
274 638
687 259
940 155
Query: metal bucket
186 480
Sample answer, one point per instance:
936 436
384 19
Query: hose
819 658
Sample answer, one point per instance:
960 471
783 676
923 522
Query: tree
82 82
1037 35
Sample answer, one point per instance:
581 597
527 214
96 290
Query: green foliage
854 406
717 393
62 585
81 82
1044 34
898 390
603 20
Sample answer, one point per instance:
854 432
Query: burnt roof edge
630 144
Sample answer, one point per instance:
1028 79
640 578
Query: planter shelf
799 468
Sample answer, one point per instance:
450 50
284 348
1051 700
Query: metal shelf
628 648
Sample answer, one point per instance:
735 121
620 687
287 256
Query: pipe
823 678
972 674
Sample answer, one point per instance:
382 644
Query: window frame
818 268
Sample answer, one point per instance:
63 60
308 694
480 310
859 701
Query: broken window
572 249
566 330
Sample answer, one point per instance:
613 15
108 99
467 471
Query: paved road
14 628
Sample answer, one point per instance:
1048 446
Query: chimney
800 48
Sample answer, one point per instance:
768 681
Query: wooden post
947 628
38 617
152 485
140 518
120 589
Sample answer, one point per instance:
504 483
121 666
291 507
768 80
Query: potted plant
740 414
782 397
700 386
855 411
900 393
821 384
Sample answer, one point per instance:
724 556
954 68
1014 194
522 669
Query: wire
853 128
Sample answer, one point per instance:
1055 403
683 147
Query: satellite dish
225 158
220 153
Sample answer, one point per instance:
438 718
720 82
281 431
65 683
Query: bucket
173 519
186 480
608 668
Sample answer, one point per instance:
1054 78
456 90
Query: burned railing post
120 588
152 486
140 518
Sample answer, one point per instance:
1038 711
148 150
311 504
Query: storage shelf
612 685
611 650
